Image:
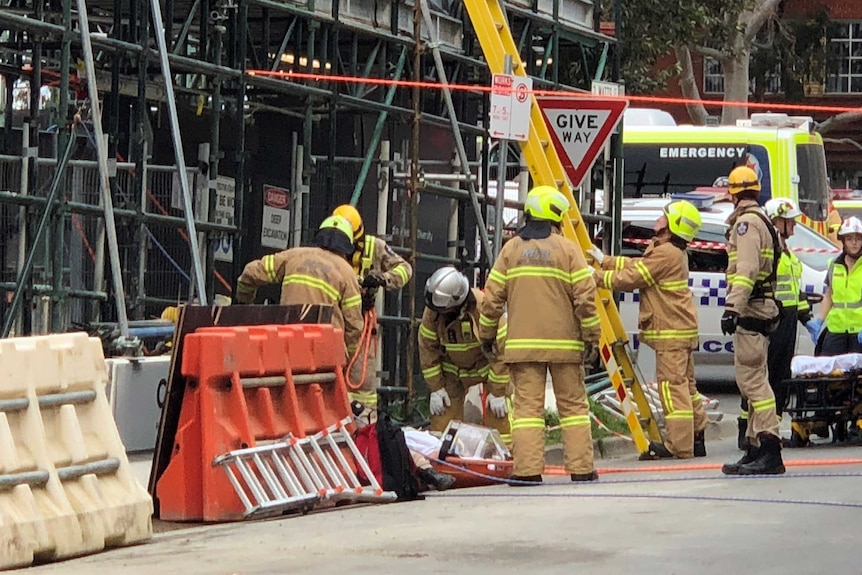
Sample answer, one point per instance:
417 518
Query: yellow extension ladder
495 37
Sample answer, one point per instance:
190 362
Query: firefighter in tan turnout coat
376 266
543 280
668 323
313 275
451 357
751 314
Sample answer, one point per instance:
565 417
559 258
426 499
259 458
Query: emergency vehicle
789 158
707 262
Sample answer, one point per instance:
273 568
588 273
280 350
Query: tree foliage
726 30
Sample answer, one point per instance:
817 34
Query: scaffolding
295 94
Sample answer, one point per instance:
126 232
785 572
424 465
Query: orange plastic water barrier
247 385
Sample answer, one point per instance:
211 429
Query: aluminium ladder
494 35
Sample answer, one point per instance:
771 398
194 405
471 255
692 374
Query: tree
725 30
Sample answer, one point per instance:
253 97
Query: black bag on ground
395 461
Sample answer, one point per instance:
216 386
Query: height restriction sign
510 107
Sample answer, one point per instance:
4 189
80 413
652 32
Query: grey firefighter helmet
446 289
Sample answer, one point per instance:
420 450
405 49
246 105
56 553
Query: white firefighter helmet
781 208
851 225
446 289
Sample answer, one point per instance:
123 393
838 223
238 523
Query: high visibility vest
789 279
846 313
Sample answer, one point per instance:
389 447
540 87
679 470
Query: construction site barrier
66 488
246 387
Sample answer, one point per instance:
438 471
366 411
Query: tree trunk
736 86
688 86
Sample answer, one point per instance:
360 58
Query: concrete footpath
650 518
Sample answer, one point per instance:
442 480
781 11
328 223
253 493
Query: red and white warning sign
579 128
275 225
510 107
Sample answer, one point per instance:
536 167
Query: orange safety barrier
246 385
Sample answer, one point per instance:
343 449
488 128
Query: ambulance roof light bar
772 120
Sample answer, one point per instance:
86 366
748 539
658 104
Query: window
811 165
846 46
713 79
713 76
663 169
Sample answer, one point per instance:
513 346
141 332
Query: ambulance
707 262
662 158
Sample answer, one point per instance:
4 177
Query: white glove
597 254
497 405
439 401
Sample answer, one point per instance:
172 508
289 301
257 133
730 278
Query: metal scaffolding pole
27 269
453 119
197 270
102 153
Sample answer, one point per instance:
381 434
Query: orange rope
366 341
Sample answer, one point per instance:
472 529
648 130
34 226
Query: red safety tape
720 246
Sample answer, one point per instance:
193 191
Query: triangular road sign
579 128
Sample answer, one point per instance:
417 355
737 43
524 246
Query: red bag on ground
366 441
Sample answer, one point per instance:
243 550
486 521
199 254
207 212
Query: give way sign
579 128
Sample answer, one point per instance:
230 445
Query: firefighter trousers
528 423
364 370
749 360
457 390
682 405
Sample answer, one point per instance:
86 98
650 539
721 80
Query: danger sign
579 128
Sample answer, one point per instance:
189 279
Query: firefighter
376 266
451 357
544 281
842 302
751 314
668 323
313 275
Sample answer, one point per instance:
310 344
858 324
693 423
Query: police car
707 262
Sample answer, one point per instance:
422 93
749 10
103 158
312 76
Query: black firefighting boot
656 451
433 478
525 480
742 441
769 461
699 444
750 456
578 477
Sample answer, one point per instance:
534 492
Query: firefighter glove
859 337
374 280
596 253
497 405
804 317
439 401
814 327
728 323
369 298
488 348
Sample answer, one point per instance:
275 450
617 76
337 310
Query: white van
707 262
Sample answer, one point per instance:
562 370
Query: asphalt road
650 518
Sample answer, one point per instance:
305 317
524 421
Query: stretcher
825 398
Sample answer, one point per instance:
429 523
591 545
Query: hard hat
742 178
851 225
447 288
171 313
781 208
683 219
339 223
351 214
546 203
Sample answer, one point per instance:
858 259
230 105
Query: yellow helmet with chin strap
546 203
742 178
683 219
351 214
339 223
